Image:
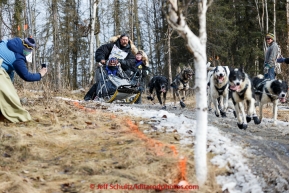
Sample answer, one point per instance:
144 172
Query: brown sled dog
181 85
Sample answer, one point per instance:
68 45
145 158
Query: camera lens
43 65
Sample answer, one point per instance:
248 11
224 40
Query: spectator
270 57
141 64
13 55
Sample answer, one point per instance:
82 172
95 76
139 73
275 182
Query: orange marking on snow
183 168
76 104
157 145
173 148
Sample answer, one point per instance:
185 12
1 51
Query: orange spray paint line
76 104
183 168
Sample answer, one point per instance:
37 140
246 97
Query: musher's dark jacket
103 52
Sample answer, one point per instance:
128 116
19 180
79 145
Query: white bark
169 33
197 46
91 53
274 18
267 17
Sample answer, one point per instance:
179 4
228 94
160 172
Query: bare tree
274 17
56 45
169 34
287 12
116 16
91 55
137 27
197 45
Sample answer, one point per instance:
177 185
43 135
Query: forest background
65 29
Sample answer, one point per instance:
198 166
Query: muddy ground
268 145
70 147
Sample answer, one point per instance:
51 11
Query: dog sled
118 88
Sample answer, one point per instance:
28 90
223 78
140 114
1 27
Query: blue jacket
11 51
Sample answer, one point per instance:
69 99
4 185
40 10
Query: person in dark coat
121 48
13 55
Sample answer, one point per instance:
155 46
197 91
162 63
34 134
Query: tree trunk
116 17
75 43
136 21
274 18
56 60
169 33
91 51
197 45
131 20
267 17
287 12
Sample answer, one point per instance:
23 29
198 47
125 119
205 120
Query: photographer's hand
42 71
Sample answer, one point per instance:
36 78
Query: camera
43 65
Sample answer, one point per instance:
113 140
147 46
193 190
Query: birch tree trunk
274 18
267 17
169 33
91 53
131 20
197 45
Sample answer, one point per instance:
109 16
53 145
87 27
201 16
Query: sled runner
117 87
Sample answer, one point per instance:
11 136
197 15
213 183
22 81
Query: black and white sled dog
218 88
269 91
160 85
243 91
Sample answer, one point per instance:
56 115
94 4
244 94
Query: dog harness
270 95
221 90
242 92
184 83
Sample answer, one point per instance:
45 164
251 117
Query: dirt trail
268 145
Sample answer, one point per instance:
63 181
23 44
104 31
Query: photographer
13 55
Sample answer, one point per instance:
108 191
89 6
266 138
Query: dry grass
67 147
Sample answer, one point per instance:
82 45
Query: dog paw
242 126
164 107
256 120
248 119
182 104
217 115
150 98
223 113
